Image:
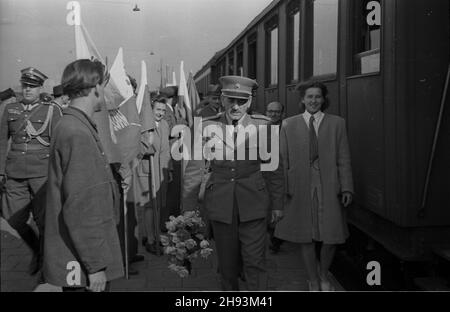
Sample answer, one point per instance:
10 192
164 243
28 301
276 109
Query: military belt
24 147
236 172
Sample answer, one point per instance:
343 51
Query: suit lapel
323 124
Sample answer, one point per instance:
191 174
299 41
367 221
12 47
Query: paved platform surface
286 271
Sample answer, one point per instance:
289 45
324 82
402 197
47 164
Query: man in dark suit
237 195
28 125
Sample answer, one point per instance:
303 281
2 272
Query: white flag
182 89
141 92
120 78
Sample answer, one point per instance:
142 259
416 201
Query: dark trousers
25 196
173 196
241 245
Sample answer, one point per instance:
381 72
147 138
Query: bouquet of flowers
185 242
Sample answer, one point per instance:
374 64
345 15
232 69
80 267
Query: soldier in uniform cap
210 106
237 196
24 165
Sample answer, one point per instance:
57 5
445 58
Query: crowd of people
53 167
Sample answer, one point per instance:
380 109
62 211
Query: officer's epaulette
213 117
261 117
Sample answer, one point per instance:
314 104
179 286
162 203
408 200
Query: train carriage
386 66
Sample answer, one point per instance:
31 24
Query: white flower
204 253
171 226
164 240
204 243
183 272
180 245
190 243
170 250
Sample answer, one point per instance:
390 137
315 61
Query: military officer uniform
25 132
237 196
207 108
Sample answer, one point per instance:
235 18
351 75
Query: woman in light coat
316 159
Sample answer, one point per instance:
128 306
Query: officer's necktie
313 144
235 133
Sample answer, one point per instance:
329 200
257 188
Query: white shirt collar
317 116
239 121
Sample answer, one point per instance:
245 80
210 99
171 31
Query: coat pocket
145 166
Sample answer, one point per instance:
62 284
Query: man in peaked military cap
211 105
237 195
23 169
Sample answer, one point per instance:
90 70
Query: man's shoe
132 271
275 245
137 258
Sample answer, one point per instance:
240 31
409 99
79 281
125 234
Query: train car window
325 32
274 56
231 63
367 36
293 44
252 56
240 60
271 54
222 68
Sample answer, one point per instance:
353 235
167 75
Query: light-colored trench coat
335 174
157 141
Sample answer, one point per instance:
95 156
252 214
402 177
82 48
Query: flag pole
156 212
125 230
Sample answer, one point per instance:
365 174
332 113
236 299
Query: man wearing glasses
82 249
275 111
25 131
237 196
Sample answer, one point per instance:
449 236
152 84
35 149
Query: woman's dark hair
314 84
80 76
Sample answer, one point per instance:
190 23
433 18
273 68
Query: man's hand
126 183
277 215
97 281
347 198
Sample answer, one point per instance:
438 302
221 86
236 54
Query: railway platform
286 271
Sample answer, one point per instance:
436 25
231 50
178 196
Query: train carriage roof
254 22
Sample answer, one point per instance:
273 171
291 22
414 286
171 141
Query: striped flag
183 96
192 90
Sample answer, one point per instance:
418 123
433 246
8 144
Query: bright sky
35 33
